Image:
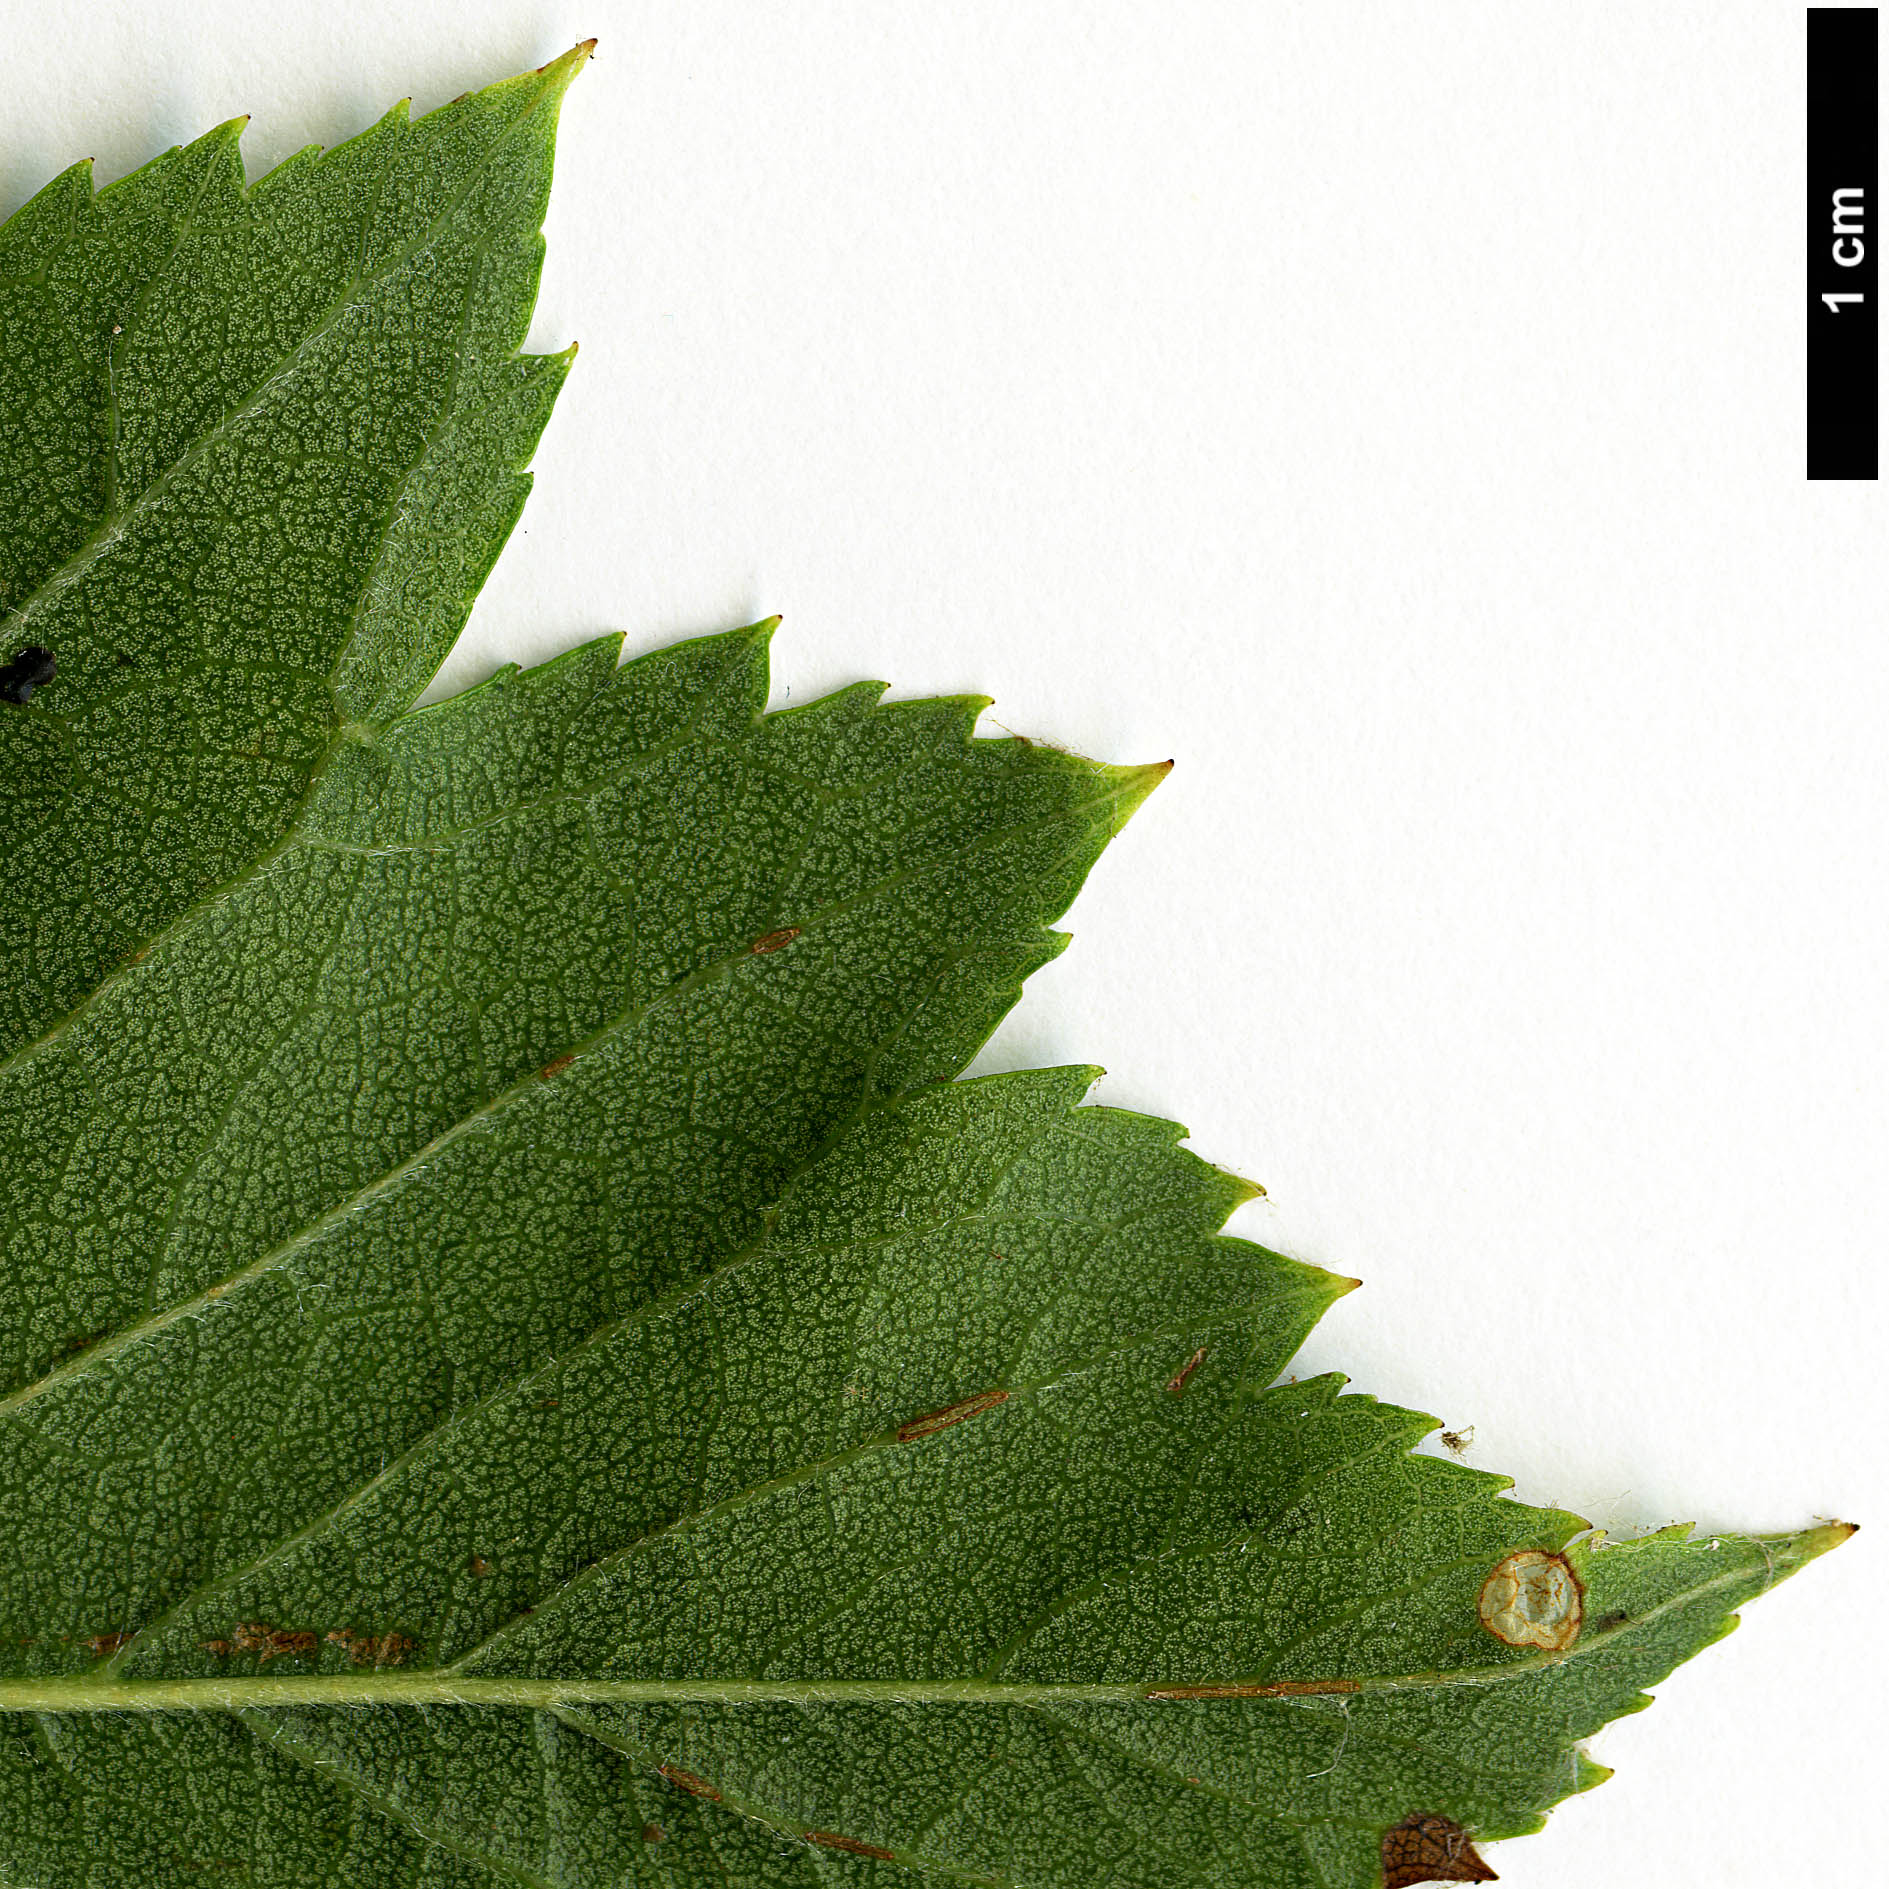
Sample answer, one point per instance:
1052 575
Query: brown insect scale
852 1845
688 1781
372 1649
773 941
952 1413
1186 1371
257 1636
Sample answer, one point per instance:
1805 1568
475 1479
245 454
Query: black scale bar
1843 238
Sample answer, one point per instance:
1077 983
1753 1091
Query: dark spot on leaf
952 1413
109 1645
851 1845
479 1566
554 1065
124 659
1606 1621
688 1781
652 1833
31 669
1430 1849
1179 1380
773 941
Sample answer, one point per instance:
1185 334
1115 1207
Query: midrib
95 1693
444 1688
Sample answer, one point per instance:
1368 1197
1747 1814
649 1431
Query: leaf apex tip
1334 1285
1135 784
1817 1541
566 66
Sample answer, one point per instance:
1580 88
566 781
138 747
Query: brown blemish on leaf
479 1567
1279 1689
653 1833
1532 1599
688 1781
773 941
220 1648
372 1649
952 1413
109 1645
1178 1381
851 1845
256 1636
554 1065
1430 1849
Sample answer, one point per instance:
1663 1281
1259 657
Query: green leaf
261 448
519 1363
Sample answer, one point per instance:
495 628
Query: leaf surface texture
520 1362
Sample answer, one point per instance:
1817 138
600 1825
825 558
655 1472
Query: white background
1394 413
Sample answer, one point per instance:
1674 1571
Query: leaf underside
519 1362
